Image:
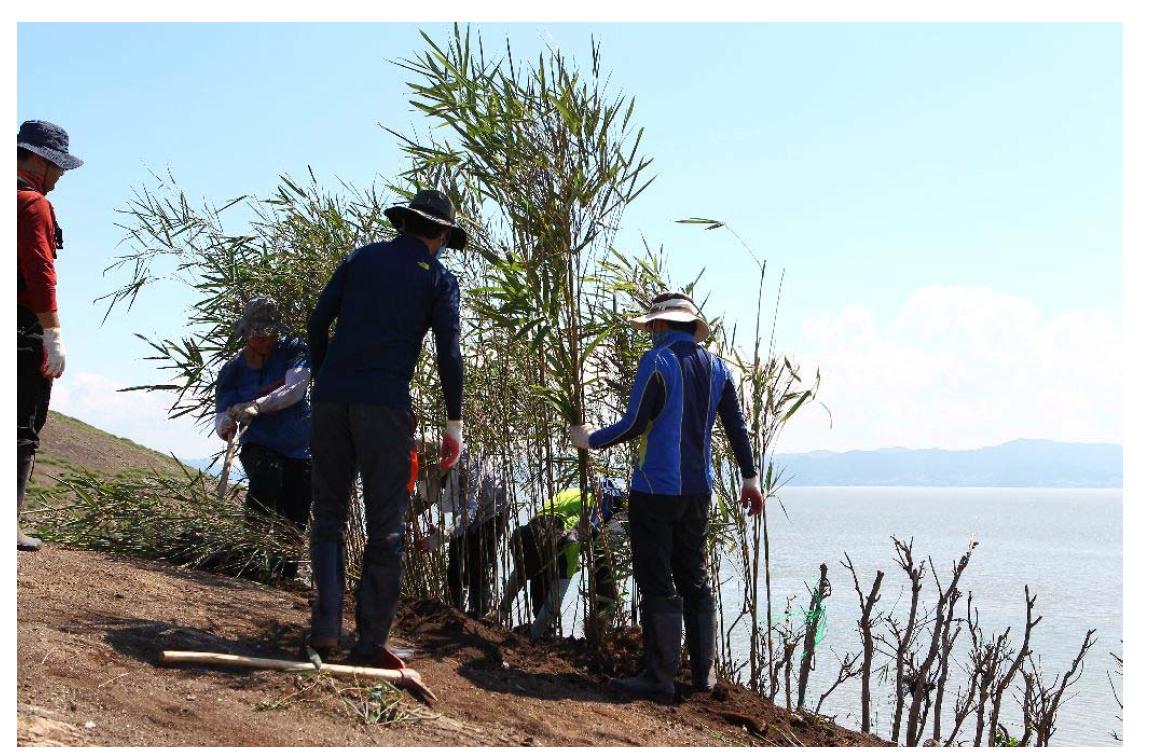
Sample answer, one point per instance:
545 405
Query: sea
1065 544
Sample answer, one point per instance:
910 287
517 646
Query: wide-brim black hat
433 206
47 140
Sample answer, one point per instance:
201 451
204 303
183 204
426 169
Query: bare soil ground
90 627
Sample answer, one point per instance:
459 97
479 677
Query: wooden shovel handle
405 677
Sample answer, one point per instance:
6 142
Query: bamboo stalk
409 678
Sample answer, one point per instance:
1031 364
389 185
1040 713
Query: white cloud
957 367
961 367
139 416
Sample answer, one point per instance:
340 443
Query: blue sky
946 198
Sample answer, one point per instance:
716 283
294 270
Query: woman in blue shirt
263 388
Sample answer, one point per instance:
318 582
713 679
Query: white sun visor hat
673 307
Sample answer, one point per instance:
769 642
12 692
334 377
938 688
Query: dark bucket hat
47 140
435 207
260 318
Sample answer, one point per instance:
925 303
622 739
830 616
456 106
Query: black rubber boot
326 618
700 644
648 657
24 469
378 596
662 635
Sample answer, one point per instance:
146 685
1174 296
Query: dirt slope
69 444
91 625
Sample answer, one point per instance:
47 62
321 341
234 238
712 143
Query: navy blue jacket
385 296
679 389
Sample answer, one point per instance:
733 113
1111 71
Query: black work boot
24 469
700 644
648 655
662 636
326 617
378 596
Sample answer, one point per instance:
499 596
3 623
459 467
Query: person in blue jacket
382 299
263 388
679 390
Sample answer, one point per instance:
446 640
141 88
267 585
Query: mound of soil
91 625
731 715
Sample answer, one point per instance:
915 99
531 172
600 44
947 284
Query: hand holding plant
579 437
244 413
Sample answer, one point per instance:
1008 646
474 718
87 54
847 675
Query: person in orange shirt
42 157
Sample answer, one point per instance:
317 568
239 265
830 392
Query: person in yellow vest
547 552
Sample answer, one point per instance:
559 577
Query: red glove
751 497
450 445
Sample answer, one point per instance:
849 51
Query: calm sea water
1066 544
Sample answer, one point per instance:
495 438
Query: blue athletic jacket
286 431
679 389
386 297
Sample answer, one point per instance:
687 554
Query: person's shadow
143 640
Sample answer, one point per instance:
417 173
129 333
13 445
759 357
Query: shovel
409 679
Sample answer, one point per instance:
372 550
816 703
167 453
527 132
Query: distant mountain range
213 467
1022 462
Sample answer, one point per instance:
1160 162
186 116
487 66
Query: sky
944 200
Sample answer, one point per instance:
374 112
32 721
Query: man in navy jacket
383 299
679 390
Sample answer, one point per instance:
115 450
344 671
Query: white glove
244 412
751 497
53 363
579 436
451 445
225 426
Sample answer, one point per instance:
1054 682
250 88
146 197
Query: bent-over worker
477 504
263 387
547 553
